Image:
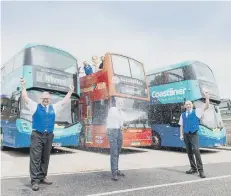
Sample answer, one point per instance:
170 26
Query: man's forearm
206 103
67 97
24 94
181 130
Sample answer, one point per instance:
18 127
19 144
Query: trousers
115 139
191 141
40 149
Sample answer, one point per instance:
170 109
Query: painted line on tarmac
160 186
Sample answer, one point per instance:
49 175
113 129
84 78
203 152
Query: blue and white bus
44 68
169 88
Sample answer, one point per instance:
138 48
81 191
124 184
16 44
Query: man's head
119 103
95 60
188 105
45 98
102 58
85 63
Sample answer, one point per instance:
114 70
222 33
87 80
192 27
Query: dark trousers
192 147
115 139
40 149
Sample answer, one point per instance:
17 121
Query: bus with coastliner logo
169 88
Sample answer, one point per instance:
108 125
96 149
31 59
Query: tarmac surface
166 181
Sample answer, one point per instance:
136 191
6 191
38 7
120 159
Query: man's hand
206 94
125 128
23 82
71 88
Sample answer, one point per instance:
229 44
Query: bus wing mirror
182 109
229 106
18 88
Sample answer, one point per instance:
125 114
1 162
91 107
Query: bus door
5 113
175 117
13 116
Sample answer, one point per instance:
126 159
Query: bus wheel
2 147
156 141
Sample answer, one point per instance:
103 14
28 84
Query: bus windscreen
204 73
136 113
206 80
68 115
128 67
130 76
212 116
52 58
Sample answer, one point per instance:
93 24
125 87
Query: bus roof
174 66
169 67
111 53
30 45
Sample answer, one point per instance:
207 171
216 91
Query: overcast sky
155 33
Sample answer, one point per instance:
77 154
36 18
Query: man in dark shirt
101 65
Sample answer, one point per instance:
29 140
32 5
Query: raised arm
31 105
24 93
206 101
60 104
181 128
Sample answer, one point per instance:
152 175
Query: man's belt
42 133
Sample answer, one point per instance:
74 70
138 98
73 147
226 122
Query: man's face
188 105
85 63
45 98
119 103
102 58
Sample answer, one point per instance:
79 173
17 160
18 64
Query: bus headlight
25 127
203 130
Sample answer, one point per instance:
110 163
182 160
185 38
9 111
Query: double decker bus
122 77
169 88
44 68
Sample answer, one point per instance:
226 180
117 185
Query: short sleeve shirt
32 106
199 113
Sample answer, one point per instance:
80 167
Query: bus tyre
2 147
156 141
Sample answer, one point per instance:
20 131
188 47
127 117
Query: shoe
202 174
35 187
191 171
46 181
114 178
119 173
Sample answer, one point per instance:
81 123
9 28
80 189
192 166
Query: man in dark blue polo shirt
189 125
87 68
